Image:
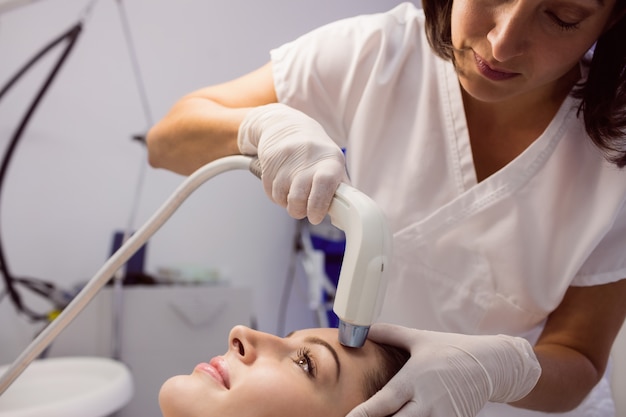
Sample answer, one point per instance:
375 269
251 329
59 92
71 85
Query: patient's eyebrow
317 341
321 342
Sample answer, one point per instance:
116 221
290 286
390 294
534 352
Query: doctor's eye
562 24
305 361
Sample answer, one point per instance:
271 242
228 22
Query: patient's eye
305 361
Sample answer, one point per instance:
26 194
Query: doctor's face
307 373
507 48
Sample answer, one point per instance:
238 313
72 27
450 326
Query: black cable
71 36
37 57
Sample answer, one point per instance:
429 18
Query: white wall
73 177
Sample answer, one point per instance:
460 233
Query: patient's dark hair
602 96
392 359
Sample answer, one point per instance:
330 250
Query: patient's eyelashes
305 360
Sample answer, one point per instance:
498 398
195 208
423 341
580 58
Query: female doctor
492 134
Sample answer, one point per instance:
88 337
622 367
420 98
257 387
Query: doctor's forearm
203 126
566 379
195 132
575 345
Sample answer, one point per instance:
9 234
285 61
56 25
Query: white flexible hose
121 256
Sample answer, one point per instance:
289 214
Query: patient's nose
249 344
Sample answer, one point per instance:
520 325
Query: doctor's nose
248 344
509 35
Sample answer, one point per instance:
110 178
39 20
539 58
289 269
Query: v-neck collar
521 167
473 196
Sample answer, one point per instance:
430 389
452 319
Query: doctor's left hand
451 374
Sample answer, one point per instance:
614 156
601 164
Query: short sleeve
607 262
325 73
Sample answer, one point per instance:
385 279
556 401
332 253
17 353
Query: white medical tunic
475 258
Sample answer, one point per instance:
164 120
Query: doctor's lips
218 369
492 73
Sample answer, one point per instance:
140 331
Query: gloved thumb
392 399
390 334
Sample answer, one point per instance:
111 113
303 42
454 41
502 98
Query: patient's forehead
331 335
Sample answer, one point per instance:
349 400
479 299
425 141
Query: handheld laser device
362 284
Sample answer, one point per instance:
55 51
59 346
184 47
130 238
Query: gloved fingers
392 334
411 409
277 183
275 191
298 196
272 185
321 195
391 398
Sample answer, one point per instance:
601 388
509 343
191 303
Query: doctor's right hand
301 167
451 375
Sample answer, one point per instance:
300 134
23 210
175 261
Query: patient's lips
218 369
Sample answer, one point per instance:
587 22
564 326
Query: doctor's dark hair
602 96
391 359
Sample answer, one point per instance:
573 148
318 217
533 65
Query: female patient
307 373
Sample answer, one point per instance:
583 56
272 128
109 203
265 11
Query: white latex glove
301 166
451 374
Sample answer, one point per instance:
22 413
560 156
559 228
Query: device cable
70 36
119 258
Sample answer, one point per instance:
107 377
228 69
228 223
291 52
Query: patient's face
305 374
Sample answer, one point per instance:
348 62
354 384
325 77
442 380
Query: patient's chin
171 396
